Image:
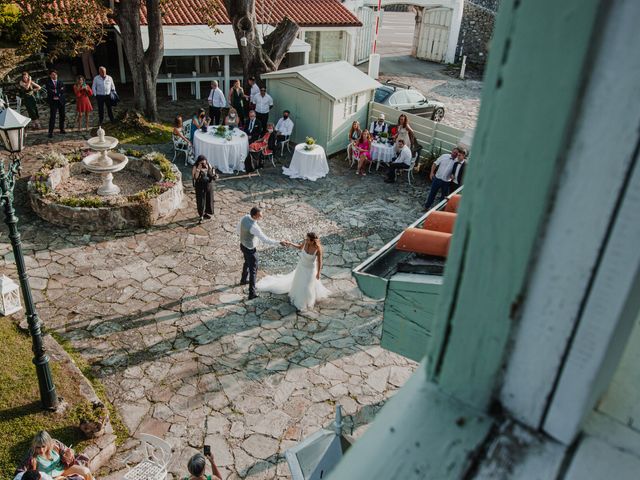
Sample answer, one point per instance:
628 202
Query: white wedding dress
303 287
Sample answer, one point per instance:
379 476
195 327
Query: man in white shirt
379 126
264 103
216 102
401 162
253 91
250 233
441 180
102 87
284 127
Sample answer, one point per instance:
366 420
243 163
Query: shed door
309 122
434 34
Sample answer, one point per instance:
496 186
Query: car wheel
438 114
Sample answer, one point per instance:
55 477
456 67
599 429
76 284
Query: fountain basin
105 143
118 212
106 164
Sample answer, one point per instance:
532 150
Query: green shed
323 98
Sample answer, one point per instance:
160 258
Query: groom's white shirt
257 232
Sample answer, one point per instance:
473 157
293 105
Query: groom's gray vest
247 239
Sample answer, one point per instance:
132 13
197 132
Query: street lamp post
12 126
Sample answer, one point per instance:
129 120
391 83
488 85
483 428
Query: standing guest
403 131
82 91
198 120
232 120
27 89
177 130
440 180
103 86
250 232
401 162
354 135
236 99
379 126
216 102
197 465
56 99
253 91
363 148
457 175
252 127
264 103
284 127
203 175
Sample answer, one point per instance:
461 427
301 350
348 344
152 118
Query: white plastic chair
157 455
180 146
285 143
414 158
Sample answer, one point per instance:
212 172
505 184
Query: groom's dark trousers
249 268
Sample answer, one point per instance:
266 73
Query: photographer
203 176
197 465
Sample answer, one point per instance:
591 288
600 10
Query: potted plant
92 417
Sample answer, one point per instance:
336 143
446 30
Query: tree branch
277 43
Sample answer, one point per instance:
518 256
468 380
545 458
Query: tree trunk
144 65
258 59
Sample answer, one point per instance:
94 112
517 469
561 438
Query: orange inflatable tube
452 204
440 221
426 242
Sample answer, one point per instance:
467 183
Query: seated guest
54 458
177 130
252 127
379 126
197 121
197 465
32 475
363 152
458 170
263 142
402 161
232 120
284 127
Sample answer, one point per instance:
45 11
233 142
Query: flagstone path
184 356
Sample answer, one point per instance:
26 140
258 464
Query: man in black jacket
56 99
252 127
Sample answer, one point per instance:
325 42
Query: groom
250 232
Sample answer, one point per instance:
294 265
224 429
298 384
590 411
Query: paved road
396 33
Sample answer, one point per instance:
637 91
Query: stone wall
478 18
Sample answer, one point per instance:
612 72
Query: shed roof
335 79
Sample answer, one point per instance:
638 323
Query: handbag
114 98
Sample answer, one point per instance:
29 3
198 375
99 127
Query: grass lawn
139 132
21 416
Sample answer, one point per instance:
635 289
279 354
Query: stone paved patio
184 356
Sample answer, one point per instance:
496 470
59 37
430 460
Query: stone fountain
105 162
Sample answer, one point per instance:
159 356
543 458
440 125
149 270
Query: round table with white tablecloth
226 155
382 153
307 164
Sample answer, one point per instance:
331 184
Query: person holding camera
203 176
197 465
83 92
198 121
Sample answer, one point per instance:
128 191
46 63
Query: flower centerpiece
310 143
221 131
383 137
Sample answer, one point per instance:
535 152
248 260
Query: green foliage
86 202
53 160
163 163
429 156
141 132
133 153
21 416
10 22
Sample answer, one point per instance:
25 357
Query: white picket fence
427 131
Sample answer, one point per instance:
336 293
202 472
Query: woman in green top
197 465
52 457
28 89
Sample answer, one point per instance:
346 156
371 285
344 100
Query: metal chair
268 155
157 455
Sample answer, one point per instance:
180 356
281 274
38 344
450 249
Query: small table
382 153
307 164
226 155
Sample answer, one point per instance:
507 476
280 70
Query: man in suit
252 127
56 99
458 170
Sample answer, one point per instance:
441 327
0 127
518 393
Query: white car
405 98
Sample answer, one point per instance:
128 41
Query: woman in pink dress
363 150
83 93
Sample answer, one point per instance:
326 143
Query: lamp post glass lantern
12 126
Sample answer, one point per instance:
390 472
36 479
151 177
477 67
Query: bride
303 284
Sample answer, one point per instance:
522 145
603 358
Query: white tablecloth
226 155
382 152
307 164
